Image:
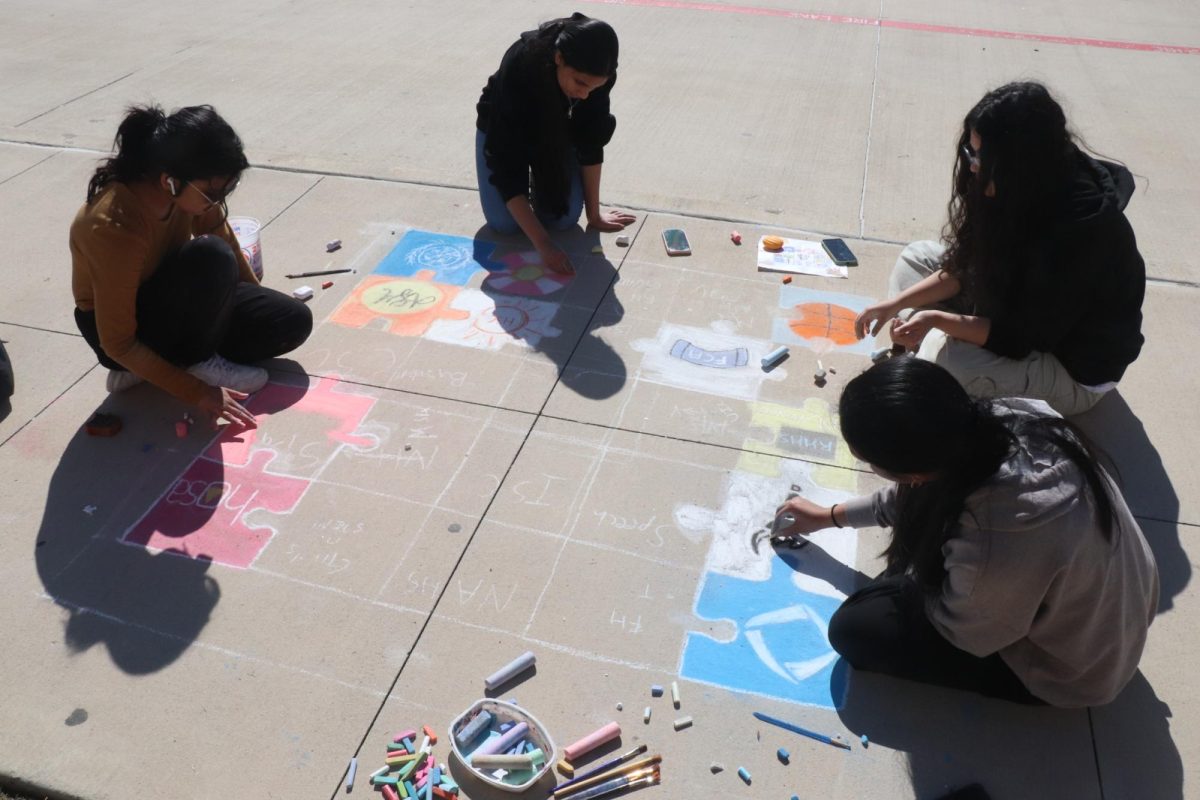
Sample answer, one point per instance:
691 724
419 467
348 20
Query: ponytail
135 149
191 143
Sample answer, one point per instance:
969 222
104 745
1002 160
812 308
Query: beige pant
981 372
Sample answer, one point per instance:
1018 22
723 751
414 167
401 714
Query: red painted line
986 33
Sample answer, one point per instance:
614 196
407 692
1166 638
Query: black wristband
832 518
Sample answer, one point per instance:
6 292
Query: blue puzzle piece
781 648
453 260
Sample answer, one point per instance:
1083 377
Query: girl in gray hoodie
1015 567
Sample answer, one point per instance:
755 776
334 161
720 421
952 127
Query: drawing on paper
204 514
780 647
408 306
662 363
449 260
493 322
524 274
820 321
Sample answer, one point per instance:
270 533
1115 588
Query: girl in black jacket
543 121
1037 290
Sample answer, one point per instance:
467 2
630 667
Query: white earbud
173 187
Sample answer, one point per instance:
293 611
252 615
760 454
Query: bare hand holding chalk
872 318
911 332
222 404
809 517
555 259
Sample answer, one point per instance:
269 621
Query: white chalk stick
646 715
350 774
683 722
302 292
675 694
510 670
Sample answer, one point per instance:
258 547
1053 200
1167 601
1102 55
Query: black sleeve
592 125
509 124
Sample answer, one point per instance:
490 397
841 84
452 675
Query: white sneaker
119 380
217 371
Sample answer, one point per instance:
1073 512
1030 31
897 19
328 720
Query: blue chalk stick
865 741
505 726
744 774
656 691
784 755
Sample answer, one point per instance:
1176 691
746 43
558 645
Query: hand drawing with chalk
780 647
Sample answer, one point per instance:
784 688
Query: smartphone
676 242
839 252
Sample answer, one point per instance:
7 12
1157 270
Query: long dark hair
190 144
588 45
907 415
1029 154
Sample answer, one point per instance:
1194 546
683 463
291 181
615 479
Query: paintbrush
622 771
605 767
787 726
628 782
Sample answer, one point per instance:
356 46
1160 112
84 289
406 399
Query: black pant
194 306
883 628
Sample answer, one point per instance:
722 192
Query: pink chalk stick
504 741
593 740
402 735
181 429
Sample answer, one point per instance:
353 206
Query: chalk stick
478 724
510 670
787 278
623 240
408 744
350 774
389 793
402 735
593 740
656 691
744 774
774 356
429 732
502 742
598 250
331 246
103 425
326 284
493 760
412 790
303 292
385 780
683 722
646 715
675 694
865 741
620 707
505 726
181 429
424 748
378 772
783 755
566 769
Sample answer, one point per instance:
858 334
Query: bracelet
832 518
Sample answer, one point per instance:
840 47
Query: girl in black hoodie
543 121
1037 289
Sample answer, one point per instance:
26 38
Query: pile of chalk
505 750
410 771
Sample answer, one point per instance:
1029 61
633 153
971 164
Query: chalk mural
492 323
683 356
780 647
420 289
808 432
820 321
450 260
203 514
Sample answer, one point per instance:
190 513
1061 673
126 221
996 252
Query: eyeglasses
972 156
220 198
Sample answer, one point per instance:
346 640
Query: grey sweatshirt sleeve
872 509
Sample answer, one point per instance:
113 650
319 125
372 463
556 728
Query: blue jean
500 219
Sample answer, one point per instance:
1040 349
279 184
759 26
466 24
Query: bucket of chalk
493 728
246 230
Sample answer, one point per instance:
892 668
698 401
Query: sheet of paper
801 257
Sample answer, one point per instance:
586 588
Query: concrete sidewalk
517 465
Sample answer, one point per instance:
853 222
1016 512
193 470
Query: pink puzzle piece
346 410
204 513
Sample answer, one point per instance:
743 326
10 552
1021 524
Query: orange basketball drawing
824 321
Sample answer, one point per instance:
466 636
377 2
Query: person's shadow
599 371
145 607
953 739
1144 482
